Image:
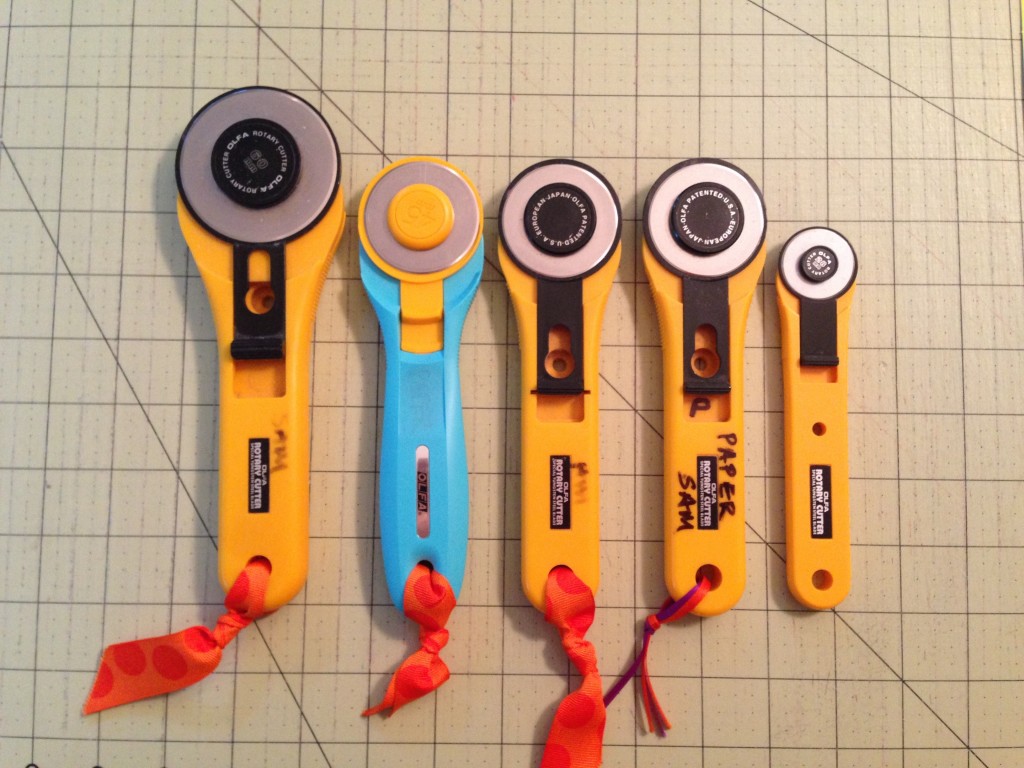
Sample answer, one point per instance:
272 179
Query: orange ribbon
577 732
157 665
429 601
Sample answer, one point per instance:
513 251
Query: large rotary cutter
704 230
258 181
258 178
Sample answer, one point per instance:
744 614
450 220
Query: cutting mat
897 123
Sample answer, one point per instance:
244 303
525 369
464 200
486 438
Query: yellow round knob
421 217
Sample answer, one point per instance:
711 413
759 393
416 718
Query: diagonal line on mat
632 407
887 78
1017 154
312 80
327 97
782 557
897 675
909 687
105 338
149 421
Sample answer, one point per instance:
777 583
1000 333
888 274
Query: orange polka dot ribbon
670 611
429 601
577 732
157 665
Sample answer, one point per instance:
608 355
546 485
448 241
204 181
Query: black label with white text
707 493
561 499
259 474
821 501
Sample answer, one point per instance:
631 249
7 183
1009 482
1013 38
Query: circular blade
704 218
456 245
560 220
258 165
818 263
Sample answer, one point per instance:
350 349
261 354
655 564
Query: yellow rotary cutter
560 226
817 272
704 229
258 180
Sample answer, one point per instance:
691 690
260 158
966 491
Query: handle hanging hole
819 428
711 573
821 580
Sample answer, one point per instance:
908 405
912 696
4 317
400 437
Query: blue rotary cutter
421 255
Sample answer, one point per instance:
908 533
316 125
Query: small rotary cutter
258 177
560 227
421 257
817 272
704 232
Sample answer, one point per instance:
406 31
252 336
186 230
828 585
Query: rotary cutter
560 227
817 272
704 230
421 256
258 177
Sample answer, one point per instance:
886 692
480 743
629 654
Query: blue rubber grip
423 408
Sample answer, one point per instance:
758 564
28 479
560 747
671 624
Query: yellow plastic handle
817 461
703 449
264 406
560 440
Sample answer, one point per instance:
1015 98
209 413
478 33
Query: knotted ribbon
670 611
577 732
429 601
157 665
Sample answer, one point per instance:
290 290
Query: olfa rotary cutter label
258 179
560 226
421 255
704 229
817 271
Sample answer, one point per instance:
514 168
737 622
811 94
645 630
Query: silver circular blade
607 220
816 237
308 200
460 241
658 214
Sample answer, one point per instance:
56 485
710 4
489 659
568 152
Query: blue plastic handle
423 410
